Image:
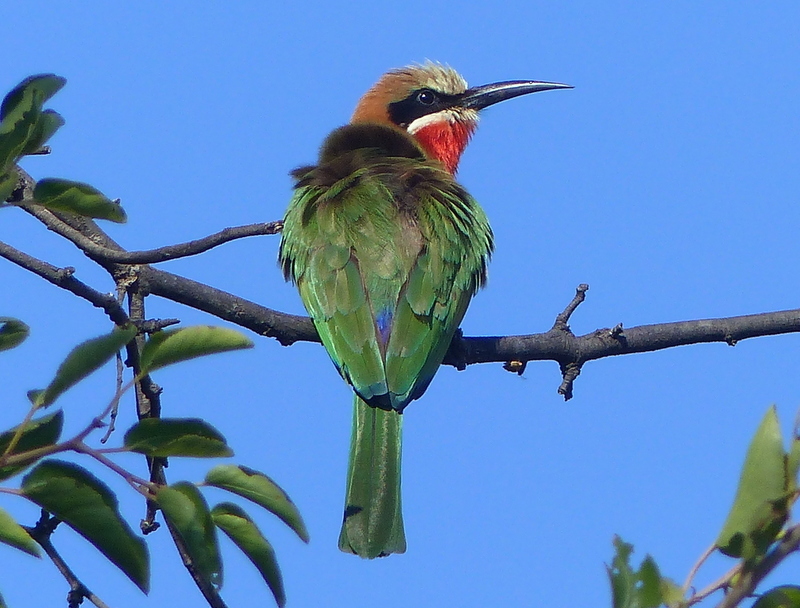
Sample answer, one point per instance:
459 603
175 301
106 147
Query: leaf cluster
67 490
85 503
753 532
25 126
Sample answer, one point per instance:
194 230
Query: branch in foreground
558 344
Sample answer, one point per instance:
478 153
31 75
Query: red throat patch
445 141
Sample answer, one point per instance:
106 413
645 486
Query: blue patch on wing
384 324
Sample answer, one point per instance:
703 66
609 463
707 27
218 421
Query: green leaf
17 127
645 588
793 460
260 489
38 433
760 507
650 583
89 507
48 123
82 361
24 127
671 593
174 345
8 183
187 511
234 522
621 576
78 198
11 533
46 85
785 596
12 332
176 437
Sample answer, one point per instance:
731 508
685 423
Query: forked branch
558 344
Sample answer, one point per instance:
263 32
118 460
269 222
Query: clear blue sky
667 179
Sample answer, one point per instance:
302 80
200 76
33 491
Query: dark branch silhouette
41 533
558 344
133 275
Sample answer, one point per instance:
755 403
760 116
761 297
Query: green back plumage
386 250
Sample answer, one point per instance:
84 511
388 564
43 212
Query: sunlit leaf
78 198
18 126
11 533
650 584
173 345
645 588
12 332
621 576
759 509
186 509
793 461
38 433
260 489
176 437
88 506
46 85
232 520
82 361
48 122
24 127
785 596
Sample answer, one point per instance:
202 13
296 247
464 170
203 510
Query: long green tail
373 517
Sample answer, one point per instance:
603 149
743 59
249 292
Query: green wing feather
357 251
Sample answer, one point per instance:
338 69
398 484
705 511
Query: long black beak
478 98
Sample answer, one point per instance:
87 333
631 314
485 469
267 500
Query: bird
387 249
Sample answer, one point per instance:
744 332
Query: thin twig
751 577
136 482
112 417
701 560
723 582
562 320
75 443
8 454
169 252
41 533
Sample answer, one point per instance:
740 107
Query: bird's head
433 104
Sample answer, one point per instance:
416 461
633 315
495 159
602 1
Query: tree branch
63 277
751 577
41 533
101 253
558 344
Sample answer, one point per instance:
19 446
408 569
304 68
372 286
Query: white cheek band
450 115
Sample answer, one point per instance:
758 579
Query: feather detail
386 251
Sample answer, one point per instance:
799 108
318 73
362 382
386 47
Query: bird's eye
426 97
